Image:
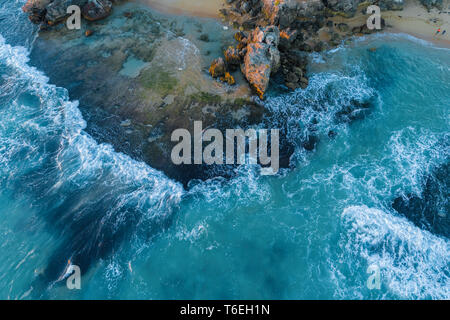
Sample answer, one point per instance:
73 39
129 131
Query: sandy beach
414 19
199 8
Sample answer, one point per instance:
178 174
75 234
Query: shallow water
310 232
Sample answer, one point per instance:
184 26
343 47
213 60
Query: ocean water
309 233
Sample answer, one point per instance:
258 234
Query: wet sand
414 19
417 21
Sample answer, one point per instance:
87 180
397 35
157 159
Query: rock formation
52 12
296 28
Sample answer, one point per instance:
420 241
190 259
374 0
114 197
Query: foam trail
92 197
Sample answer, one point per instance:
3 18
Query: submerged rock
430 210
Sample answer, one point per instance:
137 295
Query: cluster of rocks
296 27
257 56
52 12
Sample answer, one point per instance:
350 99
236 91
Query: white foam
80 158
414 263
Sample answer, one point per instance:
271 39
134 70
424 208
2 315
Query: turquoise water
309 233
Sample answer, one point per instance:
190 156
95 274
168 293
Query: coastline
198 8
414 19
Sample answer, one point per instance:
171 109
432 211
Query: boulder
36 10
95 10
262 58
232 56
432 3
257 67
37 4
57 10
217 68
228 78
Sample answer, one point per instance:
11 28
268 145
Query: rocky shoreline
279 34
275 35
139 76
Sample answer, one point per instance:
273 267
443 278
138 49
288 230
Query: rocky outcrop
217 68
304 26
257 55
262 58
430 210
52 12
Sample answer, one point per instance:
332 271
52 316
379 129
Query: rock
95 10
269 35
57 10
257 67
431 3
291 77
304 82
429 210
228 78
291 85
35 4
204 37
169 99
287 38
239 36
37 15
217 68
232 56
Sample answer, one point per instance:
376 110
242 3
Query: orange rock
239 36
257 67
232 56
241 45
228 78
